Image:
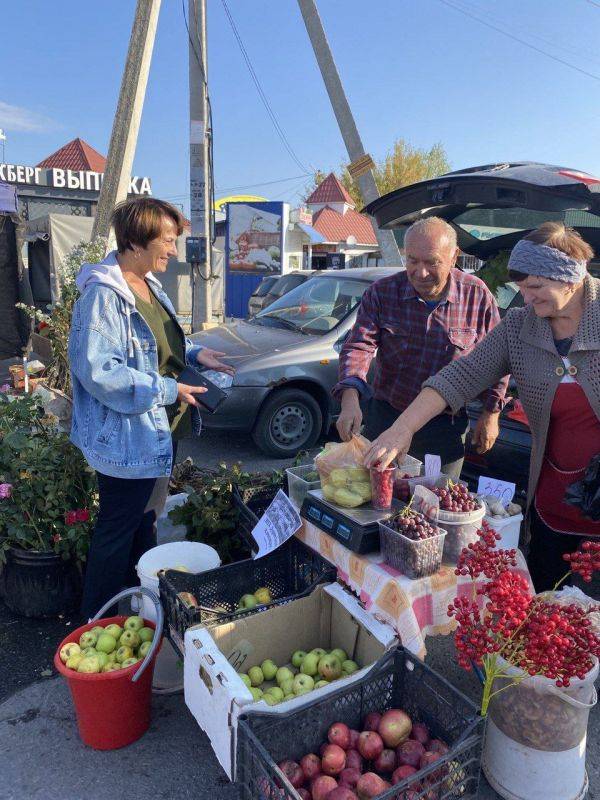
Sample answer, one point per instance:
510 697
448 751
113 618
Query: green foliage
48 478
495 272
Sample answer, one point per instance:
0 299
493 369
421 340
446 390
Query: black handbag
585 494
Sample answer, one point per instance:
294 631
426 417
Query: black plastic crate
251 504
398 680
291 571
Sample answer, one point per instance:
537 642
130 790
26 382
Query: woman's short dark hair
139 221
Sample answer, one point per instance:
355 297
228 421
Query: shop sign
79 180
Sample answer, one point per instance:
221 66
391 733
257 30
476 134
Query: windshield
286 284
263 287
315 307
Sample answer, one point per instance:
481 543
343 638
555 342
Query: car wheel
289 421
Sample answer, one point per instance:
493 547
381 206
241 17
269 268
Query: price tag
433 466
279 522
502 490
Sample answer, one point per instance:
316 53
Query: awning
313 234
8 199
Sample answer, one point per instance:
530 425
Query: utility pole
123 140
361 163
200 246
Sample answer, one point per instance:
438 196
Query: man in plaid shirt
418 321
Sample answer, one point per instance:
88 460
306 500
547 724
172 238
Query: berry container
415 558
461 526
410 468
298 485
398 680
382 488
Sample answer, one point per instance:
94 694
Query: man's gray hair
428 224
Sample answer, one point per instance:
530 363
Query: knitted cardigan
522 344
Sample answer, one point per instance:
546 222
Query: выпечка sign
79 180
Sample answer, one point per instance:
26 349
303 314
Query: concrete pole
361 166
123 140
200 177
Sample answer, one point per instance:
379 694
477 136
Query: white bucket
509 529
195 556
552 719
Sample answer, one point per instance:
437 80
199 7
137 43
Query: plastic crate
251 503
398 680
289 572
413 558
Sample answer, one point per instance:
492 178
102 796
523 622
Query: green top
171 358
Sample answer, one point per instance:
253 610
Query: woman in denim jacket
126 350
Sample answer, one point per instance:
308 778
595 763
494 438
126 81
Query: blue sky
416 69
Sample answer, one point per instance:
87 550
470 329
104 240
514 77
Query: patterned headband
547 262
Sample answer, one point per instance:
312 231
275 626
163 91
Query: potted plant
47 502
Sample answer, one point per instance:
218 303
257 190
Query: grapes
456 498
412 525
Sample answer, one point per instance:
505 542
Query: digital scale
356 528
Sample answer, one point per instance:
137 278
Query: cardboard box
215 694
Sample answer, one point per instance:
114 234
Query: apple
263 596
256 692
276 692
270 699
343 792
339 734
354 759
73 661
311 766
298 657
339 653
256 676
394 727
111 667
354 735
248 601
420 732
123 653
349 667
97 629
386 761
246 679
438 746
371 721
320 684
283 674
303 684
102 659
293 772
409 753
68 650
402 773
289 696
370 745
287 686
146 634
322 786
349 776
310 664
304 794
129 662
269 669
88 639
133 624
114 630
333 760
89 665
330 668
370 785
106 643
318 651
427 759
144 649
129 638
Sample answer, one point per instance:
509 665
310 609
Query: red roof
336 227
76 155
330 191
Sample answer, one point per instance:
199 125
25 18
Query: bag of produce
344 480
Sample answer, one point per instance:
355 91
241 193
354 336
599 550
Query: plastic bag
344 479
585 494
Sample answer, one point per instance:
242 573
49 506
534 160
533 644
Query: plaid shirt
413 342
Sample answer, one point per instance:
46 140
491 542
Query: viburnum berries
586 560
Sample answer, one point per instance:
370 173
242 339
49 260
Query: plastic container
298 486
289 572
405 487
509 529
461 526
398 680
410 468
415 558
536 737
382 487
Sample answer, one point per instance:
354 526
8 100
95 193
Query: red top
573 440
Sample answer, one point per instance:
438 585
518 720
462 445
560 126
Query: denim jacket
119 399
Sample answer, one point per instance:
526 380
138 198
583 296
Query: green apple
98 630
339 653
256 692
270 700
263 596
123 653
106 643
88 639
129 662
310 664
276 692
144 649
146 634
133 624
256 676
112 657
68 650
248 601
348 667
319 652
114 630
283 674
303 684
89 651
89 665
73 661
289 696
319 684
111 667
129 638
269 669
287 686
298 657
246 679
102 659
330 668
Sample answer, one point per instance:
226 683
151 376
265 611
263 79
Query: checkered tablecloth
415 608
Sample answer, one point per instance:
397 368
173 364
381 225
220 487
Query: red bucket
111 711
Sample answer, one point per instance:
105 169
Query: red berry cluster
473 637
412 525
456 498
509 602
586 560
482 558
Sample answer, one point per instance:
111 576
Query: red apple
354 760
334 760
370 785
339 734
304 794
410 752
394 727
354 738
342 793
420 732
322 749
321 787
293 772
349 777
428 758
311 766
371 721
438 746
370 745
402 773
386 761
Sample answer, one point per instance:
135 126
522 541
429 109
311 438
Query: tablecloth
415 608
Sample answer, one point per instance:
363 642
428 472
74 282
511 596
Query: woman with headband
551 347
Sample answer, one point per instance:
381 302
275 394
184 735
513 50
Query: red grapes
412 525
456 498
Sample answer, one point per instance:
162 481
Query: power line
245 186
262 95
521 41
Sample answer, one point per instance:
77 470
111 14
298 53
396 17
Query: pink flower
5 490
82 514
56 538
70 517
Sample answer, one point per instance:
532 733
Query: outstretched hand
389 445
211 359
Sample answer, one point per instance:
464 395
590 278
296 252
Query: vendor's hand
185 393
210 358
393 443
486 432
350 418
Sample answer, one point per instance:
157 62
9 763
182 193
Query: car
284 284
257 298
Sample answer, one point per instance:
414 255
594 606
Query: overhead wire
224 189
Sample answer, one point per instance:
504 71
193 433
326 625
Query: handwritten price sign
491 487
